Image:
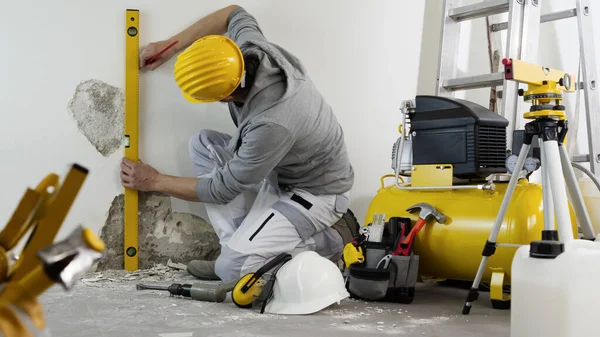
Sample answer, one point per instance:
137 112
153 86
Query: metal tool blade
150 287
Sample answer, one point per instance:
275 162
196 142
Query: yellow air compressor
454 153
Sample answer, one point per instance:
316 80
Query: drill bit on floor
149 287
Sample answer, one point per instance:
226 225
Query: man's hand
145 178
138 176
212 24
154 48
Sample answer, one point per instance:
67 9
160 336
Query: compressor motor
451 131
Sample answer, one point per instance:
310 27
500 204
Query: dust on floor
107 303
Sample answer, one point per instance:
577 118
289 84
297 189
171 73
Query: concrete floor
105 304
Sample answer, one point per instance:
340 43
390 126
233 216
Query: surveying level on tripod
545 87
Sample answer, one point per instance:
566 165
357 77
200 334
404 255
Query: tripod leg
490 246
576 198
546 191
559 192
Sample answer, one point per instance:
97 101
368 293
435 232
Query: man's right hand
212 24
154 48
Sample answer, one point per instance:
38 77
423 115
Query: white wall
364 56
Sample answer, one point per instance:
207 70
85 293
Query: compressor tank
453 250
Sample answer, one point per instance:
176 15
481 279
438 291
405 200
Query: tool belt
386 273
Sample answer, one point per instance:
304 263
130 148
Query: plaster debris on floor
97 108
163 234
106 303
117 278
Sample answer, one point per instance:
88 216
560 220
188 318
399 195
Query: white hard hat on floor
305 285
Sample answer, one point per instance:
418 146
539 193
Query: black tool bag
382 276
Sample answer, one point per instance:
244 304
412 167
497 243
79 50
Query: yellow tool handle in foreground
131 135
20 220
22 296
51 220
29 210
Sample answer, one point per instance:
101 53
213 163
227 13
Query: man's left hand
138 176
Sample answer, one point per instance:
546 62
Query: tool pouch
374 252
403 271
368 283
391 282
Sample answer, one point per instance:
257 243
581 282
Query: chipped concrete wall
163 234
98 109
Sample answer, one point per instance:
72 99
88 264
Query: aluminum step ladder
523 31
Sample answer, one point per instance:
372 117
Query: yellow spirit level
131 135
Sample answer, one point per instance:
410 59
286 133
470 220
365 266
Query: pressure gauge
511 162
532 164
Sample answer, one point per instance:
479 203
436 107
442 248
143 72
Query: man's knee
201 147
229 264
198 143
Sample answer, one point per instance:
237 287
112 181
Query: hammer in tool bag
404 247
427 211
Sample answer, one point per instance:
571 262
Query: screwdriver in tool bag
398 230
406 246
201 292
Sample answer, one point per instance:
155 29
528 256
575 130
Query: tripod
550 125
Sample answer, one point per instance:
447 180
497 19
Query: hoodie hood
279 75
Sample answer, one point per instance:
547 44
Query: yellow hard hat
210 69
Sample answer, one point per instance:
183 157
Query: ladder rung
569 13
475 82
581 158
478 10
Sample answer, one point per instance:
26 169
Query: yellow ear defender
251 285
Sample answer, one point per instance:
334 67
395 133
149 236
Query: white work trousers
265 221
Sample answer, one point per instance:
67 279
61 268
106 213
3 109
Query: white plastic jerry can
555 289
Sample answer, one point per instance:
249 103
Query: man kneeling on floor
281 183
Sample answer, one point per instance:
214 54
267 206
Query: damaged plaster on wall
163 235
97 107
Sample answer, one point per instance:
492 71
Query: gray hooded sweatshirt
284 125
